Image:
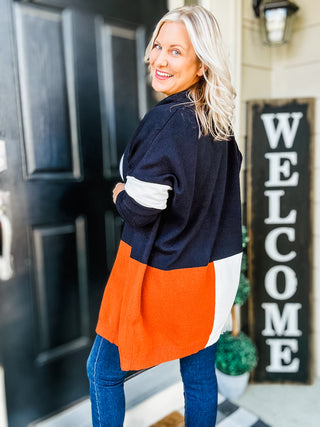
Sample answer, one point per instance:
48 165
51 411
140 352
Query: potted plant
236 353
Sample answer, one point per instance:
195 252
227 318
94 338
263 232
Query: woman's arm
166 166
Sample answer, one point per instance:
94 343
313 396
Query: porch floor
265 404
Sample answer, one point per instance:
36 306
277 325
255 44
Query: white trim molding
173 4
229 16
3 406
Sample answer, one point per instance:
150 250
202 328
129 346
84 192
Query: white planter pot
232 386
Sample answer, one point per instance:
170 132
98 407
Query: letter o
291 282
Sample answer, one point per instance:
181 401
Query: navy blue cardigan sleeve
159 168
134 213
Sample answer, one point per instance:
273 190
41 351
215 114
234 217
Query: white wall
296 74
289 71
228 14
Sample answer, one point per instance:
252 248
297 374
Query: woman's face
173 61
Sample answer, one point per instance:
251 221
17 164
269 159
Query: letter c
271 244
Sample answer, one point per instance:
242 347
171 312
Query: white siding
296 73
285 72
288 71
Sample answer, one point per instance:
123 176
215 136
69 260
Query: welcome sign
279 177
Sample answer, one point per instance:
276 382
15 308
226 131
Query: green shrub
243 290
236 354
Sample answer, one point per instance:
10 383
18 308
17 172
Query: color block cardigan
177 269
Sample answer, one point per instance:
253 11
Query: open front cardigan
177 269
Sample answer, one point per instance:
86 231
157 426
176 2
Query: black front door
72 90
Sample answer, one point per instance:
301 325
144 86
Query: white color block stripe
148 194
227 275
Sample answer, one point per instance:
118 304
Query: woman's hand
117 189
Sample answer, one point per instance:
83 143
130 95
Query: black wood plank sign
279 178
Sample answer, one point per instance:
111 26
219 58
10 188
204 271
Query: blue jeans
107 393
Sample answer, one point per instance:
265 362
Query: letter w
283 128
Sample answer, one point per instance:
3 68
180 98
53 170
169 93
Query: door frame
3 405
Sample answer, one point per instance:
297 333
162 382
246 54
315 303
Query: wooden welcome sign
279 177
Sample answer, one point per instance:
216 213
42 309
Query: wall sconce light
276 20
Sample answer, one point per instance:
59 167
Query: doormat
229 415
175 419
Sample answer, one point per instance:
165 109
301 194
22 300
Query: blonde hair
213 95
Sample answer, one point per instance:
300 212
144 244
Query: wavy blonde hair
213 95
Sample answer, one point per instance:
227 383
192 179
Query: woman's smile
161 75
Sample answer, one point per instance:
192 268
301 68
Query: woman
178 264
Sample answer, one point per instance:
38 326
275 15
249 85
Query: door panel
124 101
62 311
50 140
73 81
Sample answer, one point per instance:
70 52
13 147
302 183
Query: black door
72 90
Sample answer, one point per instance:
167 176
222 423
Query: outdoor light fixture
276 20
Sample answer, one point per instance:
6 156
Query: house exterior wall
289 71
296 70
266 72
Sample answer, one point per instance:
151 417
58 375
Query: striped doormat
229 415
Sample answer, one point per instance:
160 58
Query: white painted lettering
290 279
274 209
281 321
281 350
285 324
279 170
271 244
283 128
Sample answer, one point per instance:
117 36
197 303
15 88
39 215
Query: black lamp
276 20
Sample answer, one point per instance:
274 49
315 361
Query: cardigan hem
156 356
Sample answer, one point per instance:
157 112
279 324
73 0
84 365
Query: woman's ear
202 70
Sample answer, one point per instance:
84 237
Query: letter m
283 128
281 325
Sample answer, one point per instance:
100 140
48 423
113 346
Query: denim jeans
107 392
